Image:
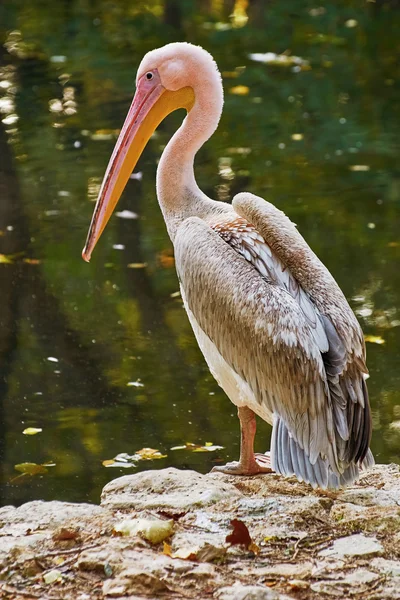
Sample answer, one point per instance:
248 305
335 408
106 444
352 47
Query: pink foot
260 463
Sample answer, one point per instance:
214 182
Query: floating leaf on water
118 246
126 214
208 447
32 261
297 137
241 536
136 384
137 265
279 60
149 454
125 461
351 23
153 530
32 430
393 244
5 260
359 168
52 576
374 339
104 134
240 90
28 468
175 295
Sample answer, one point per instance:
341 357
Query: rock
357 582
388 567
43 515
367 518
178 491
238 591
360 576
134 580
286 570
289 522
353 545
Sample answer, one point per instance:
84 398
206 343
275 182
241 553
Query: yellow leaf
167 550
32 430
240 90
297 137
149 454
108 463
254 548
31 261
5 260
359 168
30 468
137 265
52 576
374 339
153 530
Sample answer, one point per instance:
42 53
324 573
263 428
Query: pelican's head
167 79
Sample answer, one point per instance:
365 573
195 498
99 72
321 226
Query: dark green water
320 141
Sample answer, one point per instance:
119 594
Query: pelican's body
274 327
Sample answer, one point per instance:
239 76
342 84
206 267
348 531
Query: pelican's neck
177 191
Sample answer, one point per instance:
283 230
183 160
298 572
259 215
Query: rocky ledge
178 534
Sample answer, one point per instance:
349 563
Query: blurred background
100 357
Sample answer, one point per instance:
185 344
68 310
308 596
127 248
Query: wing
263 334
345 359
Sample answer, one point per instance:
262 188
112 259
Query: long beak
151 104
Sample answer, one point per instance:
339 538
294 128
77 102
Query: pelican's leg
249 463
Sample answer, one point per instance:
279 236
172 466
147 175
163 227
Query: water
320 139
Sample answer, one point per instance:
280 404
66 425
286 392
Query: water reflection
318 137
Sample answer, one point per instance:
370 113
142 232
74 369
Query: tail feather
288 458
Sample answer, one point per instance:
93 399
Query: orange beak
151 104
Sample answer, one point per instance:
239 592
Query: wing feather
345 359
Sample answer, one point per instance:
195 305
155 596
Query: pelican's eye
149 75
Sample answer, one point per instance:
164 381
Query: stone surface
304 544
168 489
249 592
354 545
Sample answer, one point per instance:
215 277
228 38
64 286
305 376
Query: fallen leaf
297 137
374 339
52 576
32 430
63 534
206 553
152 530
241 536
5 260
167 550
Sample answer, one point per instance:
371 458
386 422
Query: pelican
273 325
